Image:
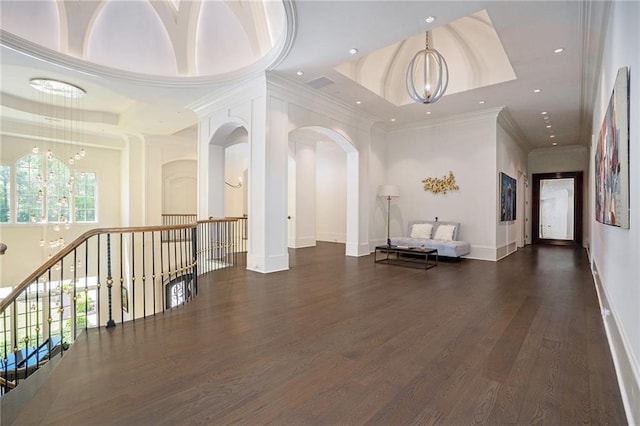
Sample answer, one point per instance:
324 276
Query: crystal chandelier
66 98
427 75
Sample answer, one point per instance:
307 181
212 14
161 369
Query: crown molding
506 121
450 119
27 130
58 112
594 22
229 95
568 149
317 101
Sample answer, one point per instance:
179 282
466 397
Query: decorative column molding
268 147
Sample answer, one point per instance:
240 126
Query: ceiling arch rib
177 23
80 18
472 76
387 81
131 36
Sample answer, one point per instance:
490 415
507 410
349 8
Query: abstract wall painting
612 158
507 198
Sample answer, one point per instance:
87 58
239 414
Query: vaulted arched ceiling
168 38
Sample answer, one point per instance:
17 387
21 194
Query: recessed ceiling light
393 119
358 102
559 50
353 50
536 90
544 113
552 136
430 19
299 73
548 126
480 102
428 112
555 143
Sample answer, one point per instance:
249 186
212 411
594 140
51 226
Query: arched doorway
324 189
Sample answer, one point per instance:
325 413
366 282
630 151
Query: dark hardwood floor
339 340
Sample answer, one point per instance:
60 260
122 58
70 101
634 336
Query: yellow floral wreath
440 185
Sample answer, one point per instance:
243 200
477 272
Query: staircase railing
105 277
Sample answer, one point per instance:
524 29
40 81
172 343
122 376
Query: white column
358 197
268 146
133 169
210 172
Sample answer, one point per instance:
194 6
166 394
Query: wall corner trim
626 372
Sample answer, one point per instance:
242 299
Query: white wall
179 187
467 147
236 162
377 177
161 150
615 251
331 192
512 160
302 204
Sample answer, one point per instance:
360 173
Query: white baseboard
267 265
304 242
482 253
506 250
331 237
357 250
628 377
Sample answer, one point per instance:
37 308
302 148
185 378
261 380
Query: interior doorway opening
557 208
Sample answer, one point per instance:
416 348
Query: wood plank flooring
337 341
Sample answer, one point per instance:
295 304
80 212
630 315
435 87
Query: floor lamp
388 192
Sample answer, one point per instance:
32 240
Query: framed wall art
612 158
507 198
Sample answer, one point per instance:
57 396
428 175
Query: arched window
48 191
29 190
85 185
5 193
58 190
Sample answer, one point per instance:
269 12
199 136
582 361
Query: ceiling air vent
320 82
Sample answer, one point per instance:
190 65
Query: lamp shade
391 191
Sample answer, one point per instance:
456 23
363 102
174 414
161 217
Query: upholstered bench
442 236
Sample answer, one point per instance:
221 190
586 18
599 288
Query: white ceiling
125 102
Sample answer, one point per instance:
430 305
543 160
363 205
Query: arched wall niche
227 134
179 187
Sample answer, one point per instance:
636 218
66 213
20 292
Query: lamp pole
388 192
388 220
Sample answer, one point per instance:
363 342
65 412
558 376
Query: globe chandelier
427 75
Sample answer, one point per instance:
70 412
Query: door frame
577 208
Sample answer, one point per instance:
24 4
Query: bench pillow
421 230
444 232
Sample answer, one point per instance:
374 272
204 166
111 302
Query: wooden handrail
7 383
74 245
91 233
